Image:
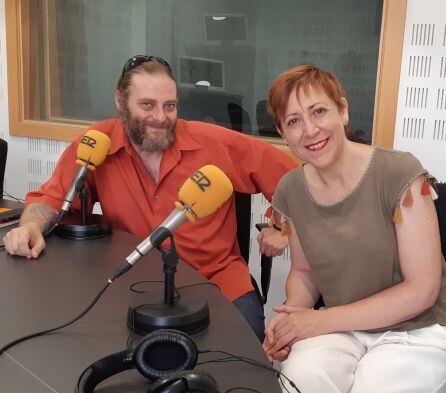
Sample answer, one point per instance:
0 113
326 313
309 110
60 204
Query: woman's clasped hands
291 324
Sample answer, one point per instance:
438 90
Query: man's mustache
164 124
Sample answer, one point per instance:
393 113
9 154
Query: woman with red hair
363 234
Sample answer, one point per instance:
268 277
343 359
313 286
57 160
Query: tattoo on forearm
47 213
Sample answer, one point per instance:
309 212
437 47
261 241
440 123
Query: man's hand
26 240
271 242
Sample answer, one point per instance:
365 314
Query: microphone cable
4 193
177 298
75 319
131 334
231 357
85 311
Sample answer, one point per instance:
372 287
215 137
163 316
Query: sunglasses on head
137 60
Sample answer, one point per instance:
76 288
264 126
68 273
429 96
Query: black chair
440 205
239 118
3 155
265 121
243 210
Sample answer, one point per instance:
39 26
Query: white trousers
358 362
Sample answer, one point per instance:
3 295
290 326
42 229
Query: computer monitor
196 71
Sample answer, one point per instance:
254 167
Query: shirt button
156 197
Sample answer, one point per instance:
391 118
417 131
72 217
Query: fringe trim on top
425 190
408 199
285 228
269 212
397 217
428 188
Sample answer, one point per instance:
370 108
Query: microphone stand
170 259
92 226
148 312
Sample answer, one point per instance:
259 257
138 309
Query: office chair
3 155
265 121
243 212
440 205
239 118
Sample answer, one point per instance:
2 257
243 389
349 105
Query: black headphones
164 356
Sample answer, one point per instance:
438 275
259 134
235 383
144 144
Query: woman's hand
292 324
269 341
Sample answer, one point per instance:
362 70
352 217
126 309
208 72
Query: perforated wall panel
421 116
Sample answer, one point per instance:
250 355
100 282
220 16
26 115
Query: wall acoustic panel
421 115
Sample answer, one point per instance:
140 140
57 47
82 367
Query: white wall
31 160
421 117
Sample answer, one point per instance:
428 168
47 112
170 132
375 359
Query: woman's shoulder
288 187
395 170
291 179
387 156
396 163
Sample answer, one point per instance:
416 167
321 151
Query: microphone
202 194
91 152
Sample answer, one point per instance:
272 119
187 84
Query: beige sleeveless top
351 245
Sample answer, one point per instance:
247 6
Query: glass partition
224 54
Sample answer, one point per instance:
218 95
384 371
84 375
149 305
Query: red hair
302 78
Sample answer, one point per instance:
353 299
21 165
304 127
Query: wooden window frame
386 95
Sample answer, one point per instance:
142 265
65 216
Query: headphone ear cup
164 352
196 381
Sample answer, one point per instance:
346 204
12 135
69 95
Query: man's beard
136 131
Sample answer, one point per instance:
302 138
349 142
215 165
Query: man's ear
118 100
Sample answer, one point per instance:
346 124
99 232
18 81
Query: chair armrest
261 226
266 263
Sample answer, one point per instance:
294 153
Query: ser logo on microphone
90 142
201 180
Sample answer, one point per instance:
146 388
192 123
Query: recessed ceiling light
203 83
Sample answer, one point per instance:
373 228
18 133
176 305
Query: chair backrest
265 121
243 212
3 156
239 118
440 205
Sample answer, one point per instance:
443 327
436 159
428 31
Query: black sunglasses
137 60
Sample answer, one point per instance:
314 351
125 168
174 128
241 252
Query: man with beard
152 153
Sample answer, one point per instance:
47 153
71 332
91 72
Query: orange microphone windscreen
206 190
93 149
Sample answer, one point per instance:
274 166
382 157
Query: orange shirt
133 202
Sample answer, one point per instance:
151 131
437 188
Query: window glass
224 54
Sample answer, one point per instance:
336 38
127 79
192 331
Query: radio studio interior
215 196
